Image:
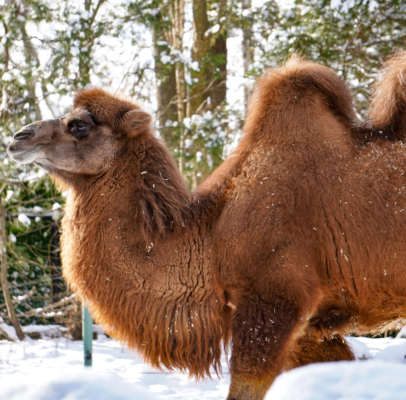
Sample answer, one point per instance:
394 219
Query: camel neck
133 221
159 292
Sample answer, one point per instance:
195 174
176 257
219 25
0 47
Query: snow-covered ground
342 381
52 369
53 365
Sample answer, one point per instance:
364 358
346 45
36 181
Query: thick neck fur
131 250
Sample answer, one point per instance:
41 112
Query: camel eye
77 128
79 131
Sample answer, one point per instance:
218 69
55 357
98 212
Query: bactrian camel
295 240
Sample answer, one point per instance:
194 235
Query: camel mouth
24 156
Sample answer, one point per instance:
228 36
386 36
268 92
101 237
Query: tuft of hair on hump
279 88
104 107
389 98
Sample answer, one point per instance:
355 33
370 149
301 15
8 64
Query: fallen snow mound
84 385
342 381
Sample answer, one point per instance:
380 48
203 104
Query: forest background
191 63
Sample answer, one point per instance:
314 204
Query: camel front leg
261 335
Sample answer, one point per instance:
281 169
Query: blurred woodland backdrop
192 63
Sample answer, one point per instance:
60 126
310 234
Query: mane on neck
164 196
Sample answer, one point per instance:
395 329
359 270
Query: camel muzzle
23 155
26 146
21 150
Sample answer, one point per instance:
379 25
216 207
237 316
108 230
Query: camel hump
289 94
389 99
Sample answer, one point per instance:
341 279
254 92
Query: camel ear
135 122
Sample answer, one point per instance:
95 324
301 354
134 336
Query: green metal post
87 334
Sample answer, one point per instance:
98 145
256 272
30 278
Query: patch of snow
9 195
8 330
56 206
208 116
197 119
195 65
151 11
402 333
212 30
52 367
7 77
73 385
24 220
165 59
246 13
209 161
187 123
361 97
343 380
58 362
85 14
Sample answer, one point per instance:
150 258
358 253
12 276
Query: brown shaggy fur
294 241
387 112
309 349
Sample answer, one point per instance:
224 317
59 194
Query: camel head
87 140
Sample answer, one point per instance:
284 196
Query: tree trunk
75 321
87 42
3 274
247 50
177 14
218 91
31 58
166 91
201 47
210 51
56 270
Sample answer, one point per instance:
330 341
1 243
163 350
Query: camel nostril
22 135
